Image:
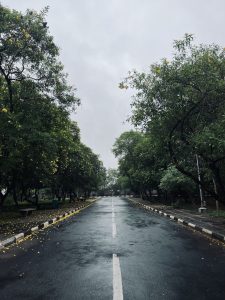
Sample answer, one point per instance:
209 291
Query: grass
42 204
214 213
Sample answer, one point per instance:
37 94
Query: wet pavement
215 224
114 249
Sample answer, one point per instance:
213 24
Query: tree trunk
220 189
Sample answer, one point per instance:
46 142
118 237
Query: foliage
139 162
181 104
175 182
39 145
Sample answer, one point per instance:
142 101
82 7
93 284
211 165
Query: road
114 250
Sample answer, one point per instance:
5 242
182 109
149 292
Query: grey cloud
102 40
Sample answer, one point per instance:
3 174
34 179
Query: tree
140 161
28 52
124 149
39 145
182 103
176 183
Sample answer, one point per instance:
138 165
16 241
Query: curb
18 237
205 231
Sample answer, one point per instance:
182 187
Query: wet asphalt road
158 259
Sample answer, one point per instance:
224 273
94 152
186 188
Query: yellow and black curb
212 234
21 236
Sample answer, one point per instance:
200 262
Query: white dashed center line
117 279
114 232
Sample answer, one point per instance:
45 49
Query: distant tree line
179 113
39 144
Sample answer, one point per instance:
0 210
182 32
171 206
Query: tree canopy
39 144
180 104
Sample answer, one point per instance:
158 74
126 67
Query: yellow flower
4 110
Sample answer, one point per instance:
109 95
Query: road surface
114 250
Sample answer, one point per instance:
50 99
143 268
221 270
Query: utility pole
199 185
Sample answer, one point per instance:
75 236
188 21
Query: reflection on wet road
114 250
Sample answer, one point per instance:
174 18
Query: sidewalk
210 223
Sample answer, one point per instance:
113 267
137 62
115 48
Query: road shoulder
182 218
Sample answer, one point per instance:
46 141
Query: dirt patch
12 223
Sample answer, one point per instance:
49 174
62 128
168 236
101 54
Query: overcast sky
101 40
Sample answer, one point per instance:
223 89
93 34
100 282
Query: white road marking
117 279
114 230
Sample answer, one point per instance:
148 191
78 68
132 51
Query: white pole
199 178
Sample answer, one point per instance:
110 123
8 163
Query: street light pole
199 178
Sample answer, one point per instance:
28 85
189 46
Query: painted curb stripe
212 234
191 225
207 231
21 235
8 241
34 228
46 224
